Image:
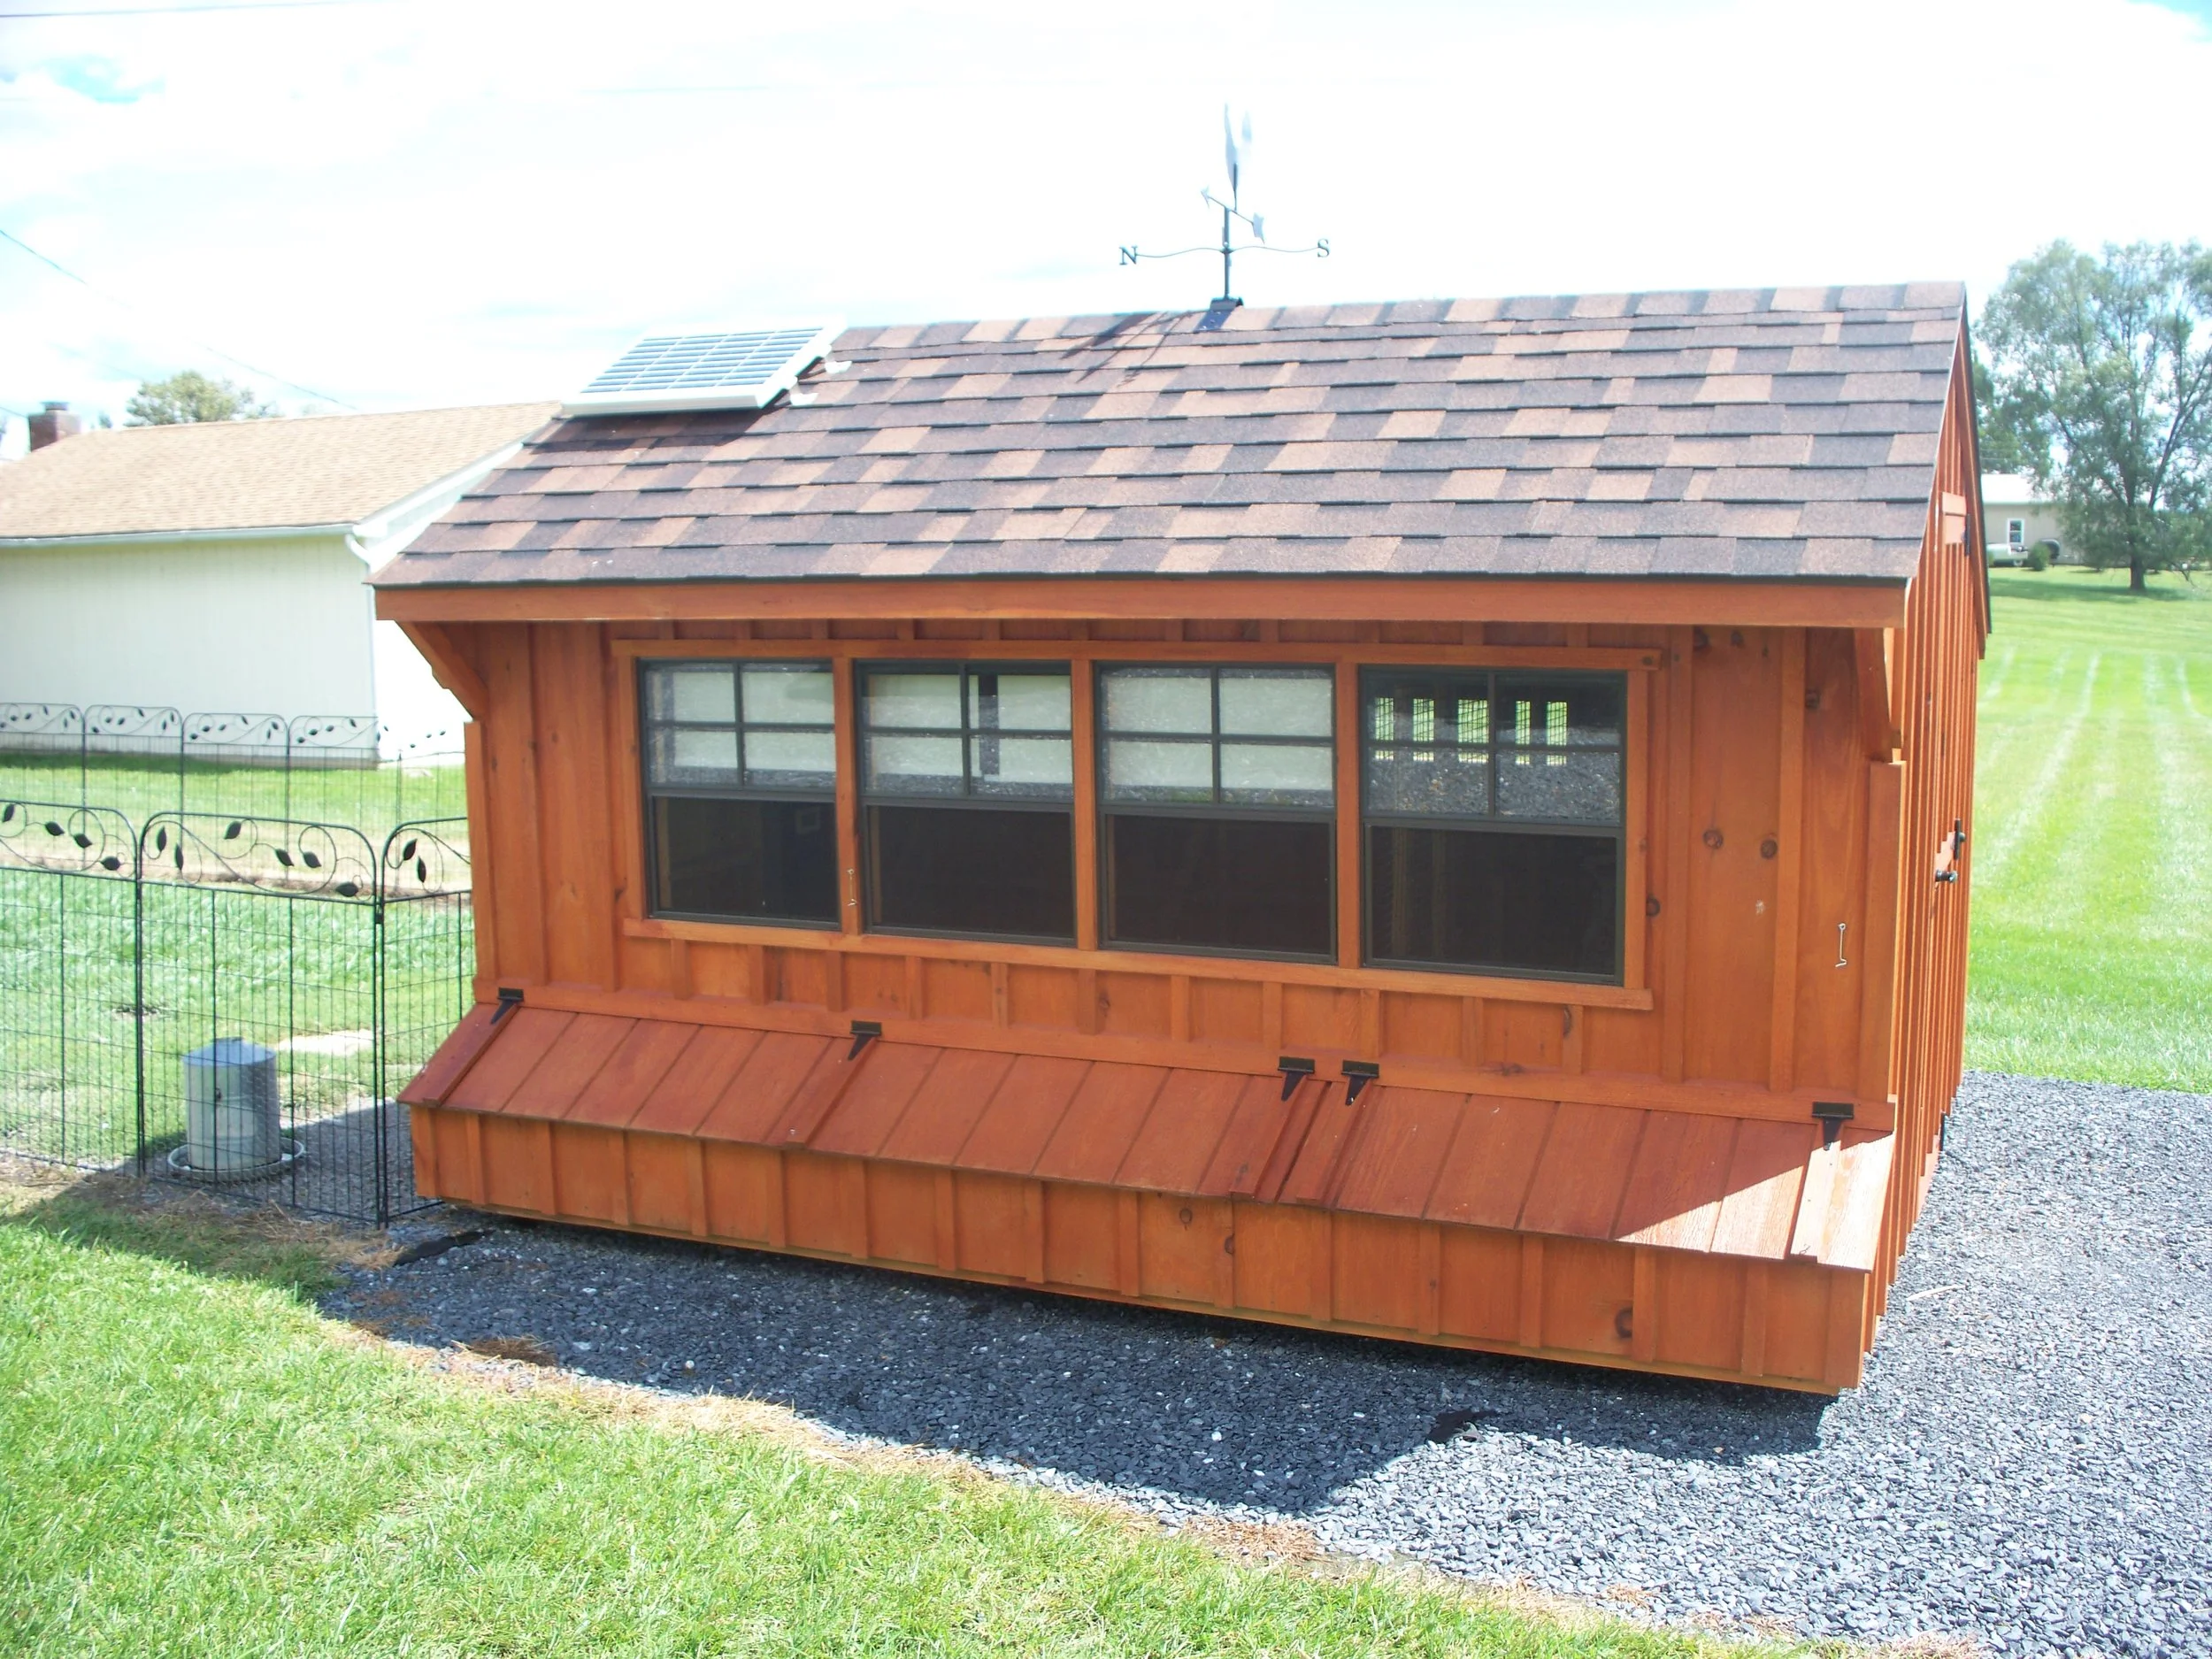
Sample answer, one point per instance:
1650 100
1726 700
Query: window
740 771
1217 787
1493 819
967 794
2016 533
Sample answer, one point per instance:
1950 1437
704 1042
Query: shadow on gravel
1214 1410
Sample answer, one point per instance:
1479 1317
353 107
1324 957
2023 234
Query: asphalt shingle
1766 434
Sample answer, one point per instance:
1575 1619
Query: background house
2020 518
220 566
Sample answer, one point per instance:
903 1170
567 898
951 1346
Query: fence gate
227 1001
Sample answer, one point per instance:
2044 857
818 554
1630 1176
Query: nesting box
1444 820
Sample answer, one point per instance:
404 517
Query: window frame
648 791
864 798
1329 673
1620 833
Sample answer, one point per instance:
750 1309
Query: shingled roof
197 477
1762 434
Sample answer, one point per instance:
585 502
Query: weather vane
1232 211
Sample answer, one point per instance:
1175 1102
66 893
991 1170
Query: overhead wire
116 299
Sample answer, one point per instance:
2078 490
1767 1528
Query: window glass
968 776
740 760
1172 736
1494 805
1216 784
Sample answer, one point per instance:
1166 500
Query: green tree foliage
2001 448
2101 375
191 396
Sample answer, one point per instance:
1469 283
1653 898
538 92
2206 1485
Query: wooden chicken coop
1443 820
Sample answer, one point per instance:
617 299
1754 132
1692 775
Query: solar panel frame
742 369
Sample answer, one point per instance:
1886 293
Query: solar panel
733 371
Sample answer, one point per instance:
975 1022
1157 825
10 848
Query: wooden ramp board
1408 1211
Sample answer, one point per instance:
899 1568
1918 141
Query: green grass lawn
190 1463
2091 953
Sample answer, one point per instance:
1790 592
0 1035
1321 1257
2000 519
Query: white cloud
409 202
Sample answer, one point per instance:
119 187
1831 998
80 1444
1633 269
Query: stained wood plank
1853 1237
1681 1175
631 1072
755 1099
1483 1179
463 1046
524 1036
1182 1131
1764 1176
1021 1117
1584 1171
572 1061
1248 1139
1322 1150
1394 1167
688 1090
1101 1122
870 1107
947 1106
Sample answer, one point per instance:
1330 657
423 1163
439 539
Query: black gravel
2027 1462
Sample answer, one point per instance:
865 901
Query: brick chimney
52 424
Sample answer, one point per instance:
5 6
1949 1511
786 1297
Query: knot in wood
1769 848
1713 839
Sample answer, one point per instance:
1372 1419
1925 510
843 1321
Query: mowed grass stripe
2092 950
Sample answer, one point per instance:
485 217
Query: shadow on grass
258 1243
2095 588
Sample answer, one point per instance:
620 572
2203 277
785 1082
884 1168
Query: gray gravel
2027 1462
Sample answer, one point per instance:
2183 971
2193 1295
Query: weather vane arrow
1237 148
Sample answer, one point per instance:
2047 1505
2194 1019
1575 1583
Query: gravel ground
2027 1462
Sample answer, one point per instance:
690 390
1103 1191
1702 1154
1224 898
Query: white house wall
276 625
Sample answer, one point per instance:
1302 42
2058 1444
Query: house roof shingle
1772 433
249 474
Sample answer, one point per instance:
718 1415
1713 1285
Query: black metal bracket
864 1032
1296 1071
1357 1075
510 999
1831 1115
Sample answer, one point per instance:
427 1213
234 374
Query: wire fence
227 998
139 759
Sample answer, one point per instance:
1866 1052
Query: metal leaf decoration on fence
46 835
434 853
311 860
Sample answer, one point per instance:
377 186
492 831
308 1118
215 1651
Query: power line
266 374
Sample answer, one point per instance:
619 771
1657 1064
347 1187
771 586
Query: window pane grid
727 729
1493 816
944 733
1245 740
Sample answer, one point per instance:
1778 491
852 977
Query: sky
396 203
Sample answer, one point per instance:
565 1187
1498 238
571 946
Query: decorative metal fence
321 768
226 999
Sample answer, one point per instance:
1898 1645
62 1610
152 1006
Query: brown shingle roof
249 474
1770 433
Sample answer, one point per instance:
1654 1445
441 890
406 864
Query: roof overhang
125 538
1736 602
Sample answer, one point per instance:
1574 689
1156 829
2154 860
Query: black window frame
1107 809
868 797
826 798
1492 821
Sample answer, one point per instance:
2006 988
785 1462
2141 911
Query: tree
2101 369
191 396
